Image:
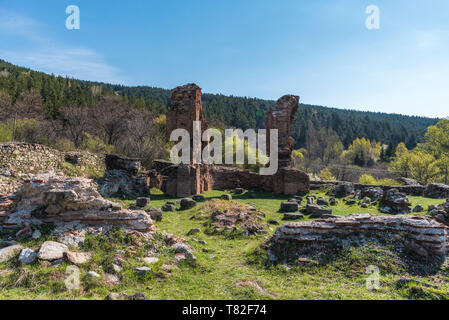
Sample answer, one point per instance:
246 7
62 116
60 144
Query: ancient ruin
190 179
68 202
122 176
281 117
422 234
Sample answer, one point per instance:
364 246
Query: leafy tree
437 143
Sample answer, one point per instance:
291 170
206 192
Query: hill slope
220 110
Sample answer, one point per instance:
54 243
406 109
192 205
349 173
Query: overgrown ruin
189 179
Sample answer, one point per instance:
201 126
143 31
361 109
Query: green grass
234 260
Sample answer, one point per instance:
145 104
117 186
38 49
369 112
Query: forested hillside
58 92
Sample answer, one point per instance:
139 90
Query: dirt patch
231 217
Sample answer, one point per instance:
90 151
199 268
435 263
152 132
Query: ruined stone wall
185 180
433 190
28 158
18 160
24 158
423 232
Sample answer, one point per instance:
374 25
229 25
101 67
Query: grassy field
222 262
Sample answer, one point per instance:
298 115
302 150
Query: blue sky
320 50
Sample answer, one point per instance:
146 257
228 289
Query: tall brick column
281 117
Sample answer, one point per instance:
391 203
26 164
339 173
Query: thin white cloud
15 24
75 62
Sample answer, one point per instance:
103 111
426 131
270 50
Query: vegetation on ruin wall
222 262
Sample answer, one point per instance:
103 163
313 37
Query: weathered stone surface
27 256
187 203
437 191
289 206
186 107
184 249
115 162
115 181
150 260
343 189
397 201
168 207
142 271
117 296
425 232
293 216
226 197
317 210
409 181
418 208
322 201
93 275
440 212
143 202
79 202
20 157
193 231
78 258
155 214
112 279
373 193
9 252
51 250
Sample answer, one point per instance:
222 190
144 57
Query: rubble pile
64 201
395 202
231 216
440 212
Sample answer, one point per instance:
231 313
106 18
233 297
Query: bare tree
74 121
110 117
5 105
144 138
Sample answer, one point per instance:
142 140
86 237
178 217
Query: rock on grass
51 250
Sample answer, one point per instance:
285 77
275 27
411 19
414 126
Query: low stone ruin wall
424 233
123 176
28 158
433 190
69 202
18 160
184 180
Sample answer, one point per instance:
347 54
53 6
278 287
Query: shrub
326 175
64 145
370 180
95 144
367 179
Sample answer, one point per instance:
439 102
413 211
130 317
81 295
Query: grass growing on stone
229 268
